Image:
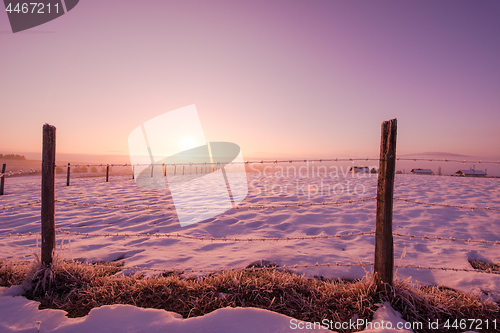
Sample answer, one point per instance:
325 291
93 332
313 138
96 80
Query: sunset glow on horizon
278 78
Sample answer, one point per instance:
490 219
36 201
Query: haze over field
279 78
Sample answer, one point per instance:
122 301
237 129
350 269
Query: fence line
446 160
304 266
269 161
448 269
21 205
193 270
278 161
308 266
249 207
223 239
384 257
166 235
450 239
262 239
284 267
447 205
19 172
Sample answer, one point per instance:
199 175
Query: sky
280 78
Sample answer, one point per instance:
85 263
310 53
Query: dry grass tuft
484 266
431 303
77 288
12 273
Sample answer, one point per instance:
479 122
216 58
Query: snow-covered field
196 256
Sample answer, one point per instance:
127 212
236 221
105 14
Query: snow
194 255
17 314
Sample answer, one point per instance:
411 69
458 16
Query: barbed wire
447 205
446 160
212 239
21 205
263 161
19 235
448 269
279 161
249 207
99 165
260 239
448 239
283 267
19 172
223 239
225 269
276 161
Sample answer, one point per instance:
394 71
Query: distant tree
80 169
103 169
12 157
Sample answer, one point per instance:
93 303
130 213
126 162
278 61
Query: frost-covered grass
77 288
484 266
12 273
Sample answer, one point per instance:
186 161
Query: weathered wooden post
183 170
48 194
133 170
67 175
164 170
107 172
384 247
2 178
175 169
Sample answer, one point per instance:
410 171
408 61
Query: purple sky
279 78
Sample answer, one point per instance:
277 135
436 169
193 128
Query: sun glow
188 142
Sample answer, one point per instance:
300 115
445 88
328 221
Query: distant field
78 169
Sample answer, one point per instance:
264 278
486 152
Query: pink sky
279 78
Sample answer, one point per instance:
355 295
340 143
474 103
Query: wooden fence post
67 175
133 170
107 172
2 178
384 248
48 194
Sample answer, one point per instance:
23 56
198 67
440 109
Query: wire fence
267 239
249 239
267 161
416 202
248 207
261 207
20 172
281 267
300 160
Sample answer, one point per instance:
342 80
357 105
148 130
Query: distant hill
12 157
439 154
